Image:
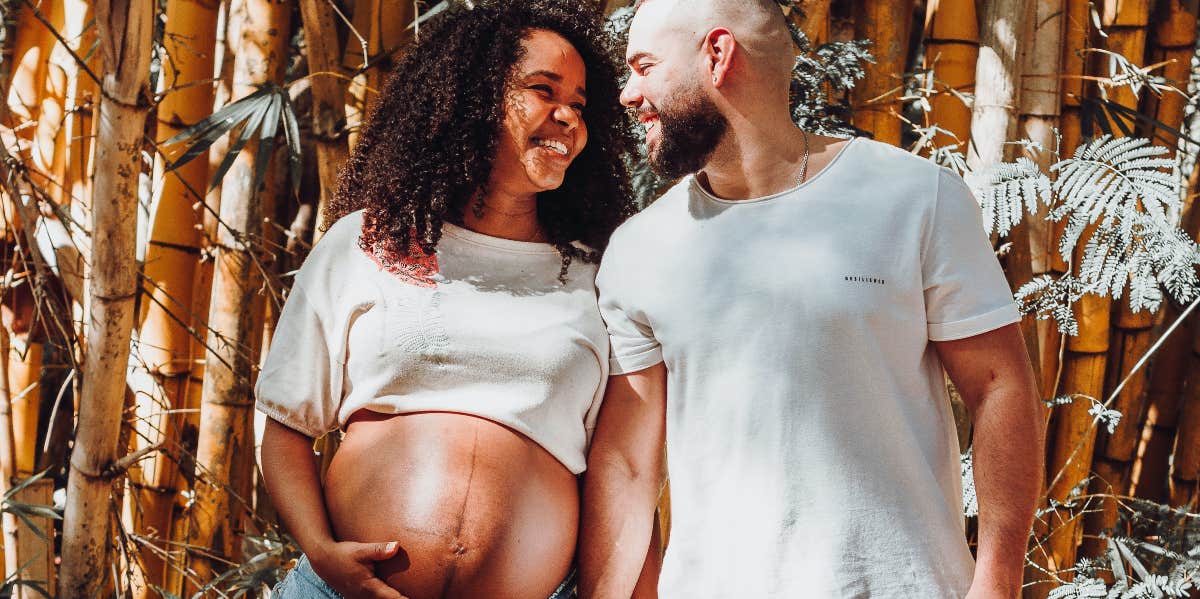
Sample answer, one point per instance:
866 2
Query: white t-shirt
810 442
483 327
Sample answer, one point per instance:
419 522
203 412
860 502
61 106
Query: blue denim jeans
303 583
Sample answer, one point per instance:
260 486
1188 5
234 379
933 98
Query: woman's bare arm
293 481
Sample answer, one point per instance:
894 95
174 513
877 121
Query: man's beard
689 133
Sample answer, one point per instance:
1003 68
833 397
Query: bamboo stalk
125 28
951 51
876 97
81 98
1085 357
994 121
170 264
815 21
1185 461
1125 22
1041 105
8 463
329 98
1173 39
227 398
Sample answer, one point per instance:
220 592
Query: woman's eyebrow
555 77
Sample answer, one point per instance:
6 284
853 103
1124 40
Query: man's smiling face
666 89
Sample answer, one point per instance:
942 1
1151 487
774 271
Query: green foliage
1125 191
262 114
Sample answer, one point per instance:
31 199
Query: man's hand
350 569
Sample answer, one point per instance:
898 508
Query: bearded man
781 319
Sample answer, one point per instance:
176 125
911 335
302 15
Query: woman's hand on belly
349 568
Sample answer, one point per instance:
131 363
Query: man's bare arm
622 482
994 376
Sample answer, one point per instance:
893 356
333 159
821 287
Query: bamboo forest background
163 168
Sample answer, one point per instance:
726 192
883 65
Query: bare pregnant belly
479 510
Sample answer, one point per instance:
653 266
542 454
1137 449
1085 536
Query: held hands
349 568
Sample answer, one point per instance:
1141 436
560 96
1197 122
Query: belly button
458 549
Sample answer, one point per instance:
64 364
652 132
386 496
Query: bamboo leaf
266 141
237 110
291 130
248 129
212 127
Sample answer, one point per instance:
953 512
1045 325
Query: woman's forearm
289 470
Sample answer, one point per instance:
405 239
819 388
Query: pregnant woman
447 321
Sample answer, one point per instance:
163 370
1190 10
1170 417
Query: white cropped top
483 327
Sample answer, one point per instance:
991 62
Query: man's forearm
1009 444
617 524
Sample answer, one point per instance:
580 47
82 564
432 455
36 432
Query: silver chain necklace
803 161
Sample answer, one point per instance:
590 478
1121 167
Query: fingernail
392 546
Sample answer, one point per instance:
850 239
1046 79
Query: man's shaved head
758 25
694 64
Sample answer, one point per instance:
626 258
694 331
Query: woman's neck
505 216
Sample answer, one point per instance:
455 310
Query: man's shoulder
895 176
887 160
662 212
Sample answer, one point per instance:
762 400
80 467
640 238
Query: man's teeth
649 125
557 146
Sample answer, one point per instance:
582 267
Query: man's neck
759 159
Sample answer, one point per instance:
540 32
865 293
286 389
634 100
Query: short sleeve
966 293
300 383
631 338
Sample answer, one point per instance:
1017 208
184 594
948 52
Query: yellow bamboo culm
24 384
876 97
1041 105
951 51
125 30
329 98
227 404
813 20
383 25
1173 39
1125 22
1071 437
229 31
1184 484
169 273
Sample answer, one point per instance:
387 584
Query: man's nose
631 95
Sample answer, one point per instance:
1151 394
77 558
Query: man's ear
719 48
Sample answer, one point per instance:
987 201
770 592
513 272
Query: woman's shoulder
336 257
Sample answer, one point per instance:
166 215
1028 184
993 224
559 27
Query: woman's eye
545 89
578 107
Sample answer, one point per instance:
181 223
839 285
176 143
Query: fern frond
1012 189
1051 298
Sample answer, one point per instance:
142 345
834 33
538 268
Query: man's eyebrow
555 77
636 57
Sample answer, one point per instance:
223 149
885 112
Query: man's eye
578 107
541 87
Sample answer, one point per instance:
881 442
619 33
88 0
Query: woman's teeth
557 146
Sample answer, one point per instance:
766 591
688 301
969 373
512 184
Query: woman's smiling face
543 128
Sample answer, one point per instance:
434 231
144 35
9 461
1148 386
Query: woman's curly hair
429 144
